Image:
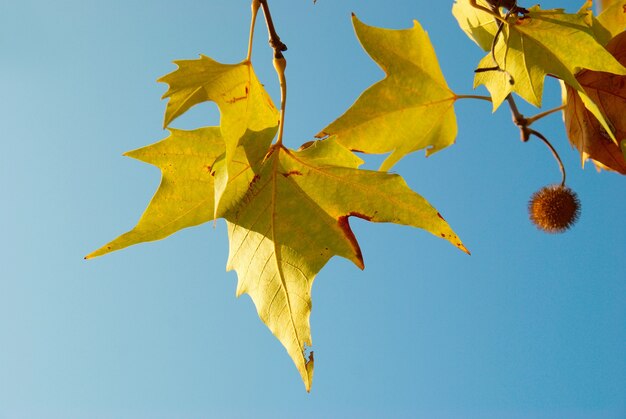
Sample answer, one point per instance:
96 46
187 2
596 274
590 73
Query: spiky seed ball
554 208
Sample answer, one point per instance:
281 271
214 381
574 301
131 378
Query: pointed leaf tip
309 370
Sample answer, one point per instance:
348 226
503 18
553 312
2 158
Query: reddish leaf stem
275 41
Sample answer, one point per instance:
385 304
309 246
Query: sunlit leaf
295 217
288 211
411 109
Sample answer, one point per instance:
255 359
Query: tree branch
275 41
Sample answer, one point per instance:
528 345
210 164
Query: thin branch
275 41
544 114
519 119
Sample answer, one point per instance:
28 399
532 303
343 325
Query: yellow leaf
242 100
410 109
287 211
295 217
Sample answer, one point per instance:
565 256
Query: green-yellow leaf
288 212
185 196
295 217
412 108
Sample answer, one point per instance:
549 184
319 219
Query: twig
526 132
275 41
519 119
544 114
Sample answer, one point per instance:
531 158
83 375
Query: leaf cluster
288 211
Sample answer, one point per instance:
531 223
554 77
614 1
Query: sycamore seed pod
554 208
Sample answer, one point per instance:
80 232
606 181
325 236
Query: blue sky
531 325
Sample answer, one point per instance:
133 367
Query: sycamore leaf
410 109
287 212
185 196
583 129
295 217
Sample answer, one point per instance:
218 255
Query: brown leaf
608 91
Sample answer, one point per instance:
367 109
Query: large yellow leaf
287 212
410 109
295 217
